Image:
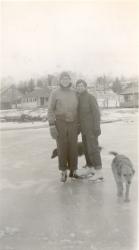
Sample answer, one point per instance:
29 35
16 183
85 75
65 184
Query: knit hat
64 74
81 81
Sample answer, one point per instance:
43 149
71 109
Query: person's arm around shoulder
51 115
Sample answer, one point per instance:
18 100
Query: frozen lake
37 212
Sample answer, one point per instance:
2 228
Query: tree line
103 83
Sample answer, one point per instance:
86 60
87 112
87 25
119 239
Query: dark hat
81 81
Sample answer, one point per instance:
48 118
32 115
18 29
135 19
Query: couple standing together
69 113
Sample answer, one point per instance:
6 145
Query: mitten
97 132
53 132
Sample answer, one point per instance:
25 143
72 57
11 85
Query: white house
37 98
105 99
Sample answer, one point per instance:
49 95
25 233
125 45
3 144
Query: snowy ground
37 212
23 125
107 115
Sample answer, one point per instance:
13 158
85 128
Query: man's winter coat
63 105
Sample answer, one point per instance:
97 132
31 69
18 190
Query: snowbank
107 116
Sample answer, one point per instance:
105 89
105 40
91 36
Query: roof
109 94
42 92
6 88
9 94
130 90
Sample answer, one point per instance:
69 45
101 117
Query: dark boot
73 174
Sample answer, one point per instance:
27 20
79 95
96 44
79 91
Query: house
105 99
10 97
129 97
108 99
37 98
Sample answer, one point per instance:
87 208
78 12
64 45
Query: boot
86 171
98 176
63 176
73 174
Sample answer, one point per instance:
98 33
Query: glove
53 132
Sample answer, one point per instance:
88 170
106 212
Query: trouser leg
93 151
62 145
88 162
72 146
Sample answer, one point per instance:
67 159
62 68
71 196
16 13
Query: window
128 98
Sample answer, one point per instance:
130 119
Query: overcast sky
92 38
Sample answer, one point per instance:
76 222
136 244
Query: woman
89 119
62 117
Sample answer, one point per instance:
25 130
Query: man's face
80 88
65 81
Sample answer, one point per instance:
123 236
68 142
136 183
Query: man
89 119
62 117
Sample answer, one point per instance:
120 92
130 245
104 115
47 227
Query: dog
123 172
80 150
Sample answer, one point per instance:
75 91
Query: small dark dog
123 172
80 150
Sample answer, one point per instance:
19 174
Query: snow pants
67 144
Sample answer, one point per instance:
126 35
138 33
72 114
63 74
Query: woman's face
65 81
80 88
